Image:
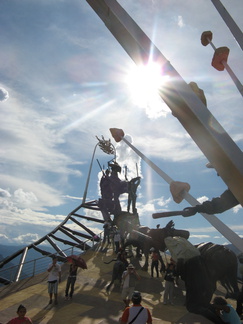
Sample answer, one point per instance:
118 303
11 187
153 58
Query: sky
64 79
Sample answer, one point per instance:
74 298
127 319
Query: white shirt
54 273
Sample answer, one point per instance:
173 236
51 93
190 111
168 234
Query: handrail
36 266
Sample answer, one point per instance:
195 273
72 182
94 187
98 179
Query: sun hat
130 266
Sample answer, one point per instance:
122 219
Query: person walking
136 314
169 284
71 281
54 278
119 267
129 278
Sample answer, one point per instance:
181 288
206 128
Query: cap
130 266
136 297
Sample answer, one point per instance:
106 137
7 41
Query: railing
36 266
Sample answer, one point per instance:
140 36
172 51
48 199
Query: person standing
117 240
107 228
129 278
136 314
155 262
71 280
169 284
54 278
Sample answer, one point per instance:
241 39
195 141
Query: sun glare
144 82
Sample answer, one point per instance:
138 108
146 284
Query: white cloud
202 199
4 193
126 157
180 22
200 236
40 197
236 209
3 94
24 199
25 239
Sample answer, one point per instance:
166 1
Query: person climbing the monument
132 196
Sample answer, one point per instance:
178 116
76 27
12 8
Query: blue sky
63 80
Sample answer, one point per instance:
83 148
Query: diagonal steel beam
233 27
55 246
201 125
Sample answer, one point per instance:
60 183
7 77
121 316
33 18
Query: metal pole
212 219
34 266
229 70
88 178
21 264
235 30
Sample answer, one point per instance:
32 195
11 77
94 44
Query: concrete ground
91 304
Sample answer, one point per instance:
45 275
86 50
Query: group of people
111 235
135 313
223 311
212 311
138 314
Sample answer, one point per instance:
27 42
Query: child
21 319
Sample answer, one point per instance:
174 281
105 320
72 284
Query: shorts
127 292
53 287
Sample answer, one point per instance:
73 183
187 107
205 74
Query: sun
143 82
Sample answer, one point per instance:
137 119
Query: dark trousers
155 264
117 246
70 284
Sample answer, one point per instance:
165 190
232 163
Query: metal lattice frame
83 238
